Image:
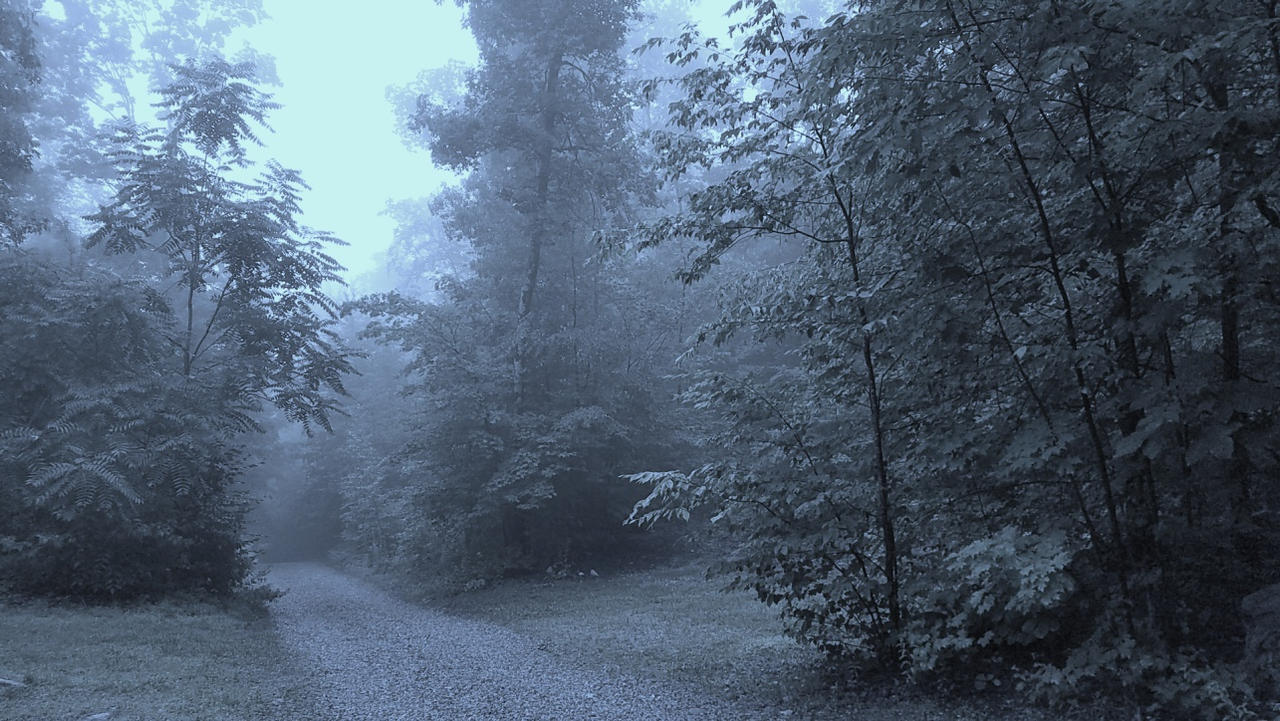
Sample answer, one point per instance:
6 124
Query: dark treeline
956 319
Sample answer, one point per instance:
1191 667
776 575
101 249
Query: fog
618 359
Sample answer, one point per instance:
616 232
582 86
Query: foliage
100 62
117 474
478 488
533 368
985 383
249 276
1029 317
997 600
123 417
19 73
1112 664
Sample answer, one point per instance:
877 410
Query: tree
19 69
555 116
532 369
122 431
249 277
743 114
118 477
1028 218
100 62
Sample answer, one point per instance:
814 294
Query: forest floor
672 625
657 644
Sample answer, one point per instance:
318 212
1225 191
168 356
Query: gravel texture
370 656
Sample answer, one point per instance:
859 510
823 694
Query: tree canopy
947 327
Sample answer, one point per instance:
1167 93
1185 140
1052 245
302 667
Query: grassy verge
151 662
672 624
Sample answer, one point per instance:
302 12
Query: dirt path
370 656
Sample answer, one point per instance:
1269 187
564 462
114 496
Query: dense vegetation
536 372
131 373
959 316
1029 417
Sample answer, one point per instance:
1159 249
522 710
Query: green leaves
19 73
533 361
668 492
1030 222
130 396
105 445
214 106
249 276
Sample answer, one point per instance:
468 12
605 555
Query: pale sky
335 61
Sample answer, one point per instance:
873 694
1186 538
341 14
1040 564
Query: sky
335 61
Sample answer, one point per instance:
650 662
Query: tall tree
548 109
1046 253
19 73
248 276
127 397
538 387
102 61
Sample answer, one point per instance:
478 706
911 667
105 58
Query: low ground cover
671 623
165 661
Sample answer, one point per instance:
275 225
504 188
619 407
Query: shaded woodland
949 325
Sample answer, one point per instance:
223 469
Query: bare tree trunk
1237 470
550 93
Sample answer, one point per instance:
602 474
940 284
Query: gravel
367 655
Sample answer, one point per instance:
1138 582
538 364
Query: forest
946 330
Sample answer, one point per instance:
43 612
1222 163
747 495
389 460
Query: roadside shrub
102 559
115 473
998 599
1112 664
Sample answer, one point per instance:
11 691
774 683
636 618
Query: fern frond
19 433
50 474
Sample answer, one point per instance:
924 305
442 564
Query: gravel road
370 656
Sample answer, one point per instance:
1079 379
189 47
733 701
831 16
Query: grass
163 661
672 624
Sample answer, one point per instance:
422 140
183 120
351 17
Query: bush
998 599
1111 664
115 475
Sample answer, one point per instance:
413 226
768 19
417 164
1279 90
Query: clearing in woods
657 644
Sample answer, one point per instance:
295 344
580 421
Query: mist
525 359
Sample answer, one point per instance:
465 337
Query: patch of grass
672 624
165 661
671 621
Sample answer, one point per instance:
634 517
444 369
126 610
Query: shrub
114 473
1000 598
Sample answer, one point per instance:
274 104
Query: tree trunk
1237 470
550 92
538 213
883 482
